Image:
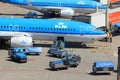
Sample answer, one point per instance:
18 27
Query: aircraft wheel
52 14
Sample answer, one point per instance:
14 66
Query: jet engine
21 41
67 12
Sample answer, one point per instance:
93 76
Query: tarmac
37 67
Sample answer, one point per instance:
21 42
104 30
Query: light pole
108 31
118 65
107 19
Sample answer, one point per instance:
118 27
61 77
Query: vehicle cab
17 54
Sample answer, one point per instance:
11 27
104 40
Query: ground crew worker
108 36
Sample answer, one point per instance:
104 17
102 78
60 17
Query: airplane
61 7
22 31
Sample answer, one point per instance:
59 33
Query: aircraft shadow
18 15
42 45
67 45
5 47
12 14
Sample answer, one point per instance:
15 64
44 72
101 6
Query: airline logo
81 2
23 42
61 25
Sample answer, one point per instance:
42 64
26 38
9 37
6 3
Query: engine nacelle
21 41
67 12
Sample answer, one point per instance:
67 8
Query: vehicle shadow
99 74
50 69
10 60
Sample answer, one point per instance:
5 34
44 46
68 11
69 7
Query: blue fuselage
60 3
49 29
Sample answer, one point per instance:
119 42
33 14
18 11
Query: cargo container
102 66
57 64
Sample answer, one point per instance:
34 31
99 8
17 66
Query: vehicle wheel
18 60
76 65
37 54
94 69
27 53
12 58
66 68
25 61
48 51
52 14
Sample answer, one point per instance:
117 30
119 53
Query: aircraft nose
103 34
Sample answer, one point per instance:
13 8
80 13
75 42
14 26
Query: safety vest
108 34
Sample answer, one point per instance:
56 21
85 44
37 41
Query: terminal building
99 18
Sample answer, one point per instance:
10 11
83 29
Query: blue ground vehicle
17 54
102 66
33 50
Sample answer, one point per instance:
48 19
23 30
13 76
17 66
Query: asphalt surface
37 67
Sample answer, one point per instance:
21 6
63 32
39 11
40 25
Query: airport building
99 18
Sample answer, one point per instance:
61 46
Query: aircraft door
81 31
13 27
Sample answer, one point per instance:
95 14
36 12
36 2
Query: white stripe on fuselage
52 36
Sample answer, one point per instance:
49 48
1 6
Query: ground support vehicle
72 60
68 61
69 58
102 66
30 15
57 49
18 55
33 50
57 64
56 53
